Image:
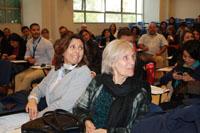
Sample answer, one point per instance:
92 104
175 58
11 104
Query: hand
177 76
89 126
187 77
4 57
31 60
12 57
100 130
31 108
93 74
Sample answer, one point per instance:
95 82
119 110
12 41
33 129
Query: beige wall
31 12
164 9
185 8
151 10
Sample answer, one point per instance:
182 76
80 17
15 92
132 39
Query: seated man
154 46
39 51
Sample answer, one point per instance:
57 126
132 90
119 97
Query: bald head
152 28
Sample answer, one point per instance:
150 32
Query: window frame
84 11
6 8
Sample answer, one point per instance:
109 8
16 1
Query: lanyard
35 47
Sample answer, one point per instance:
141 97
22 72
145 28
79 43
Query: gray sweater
66 92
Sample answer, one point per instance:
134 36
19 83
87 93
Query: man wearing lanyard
39 51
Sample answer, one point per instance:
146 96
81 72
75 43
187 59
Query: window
107 11
10 11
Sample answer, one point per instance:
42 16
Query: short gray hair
112 52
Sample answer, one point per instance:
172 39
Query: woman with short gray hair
114 100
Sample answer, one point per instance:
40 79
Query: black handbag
58 121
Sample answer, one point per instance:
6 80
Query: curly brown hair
64 44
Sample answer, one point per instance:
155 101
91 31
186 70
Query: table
158 91
165 69
43 68
18 61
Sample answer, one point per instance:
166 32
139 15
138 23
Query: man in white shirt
39 51
154 46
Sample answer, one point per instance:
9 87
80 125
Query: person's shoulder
46 42
29 42
144 35
160 35
83 70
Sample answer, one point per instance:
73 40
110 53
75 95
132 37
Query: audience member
135 30
26 35
173 48
92 51
7 32
18 48
172 22
185 76
181 30
163 28
113 29
125 34
186 36
197 23
64 34
196 34
154 46
114 100
9 69
6 48
61 88
106 38
45 33
83 27
39 51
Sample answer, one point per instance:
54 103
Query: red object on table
150 69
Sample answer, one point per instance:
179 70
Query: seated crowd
104 80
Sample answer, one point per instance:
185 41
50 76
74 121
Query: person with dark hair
197 23
18 48
172 22
135 30
39 51
106 37
64 34
113 29
173 48
186 74
5 47
181 30
70 76
123 33
163 28
45 33
1 41
196 34
63 85
26 35
186 36
7 32
9 69
92 51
